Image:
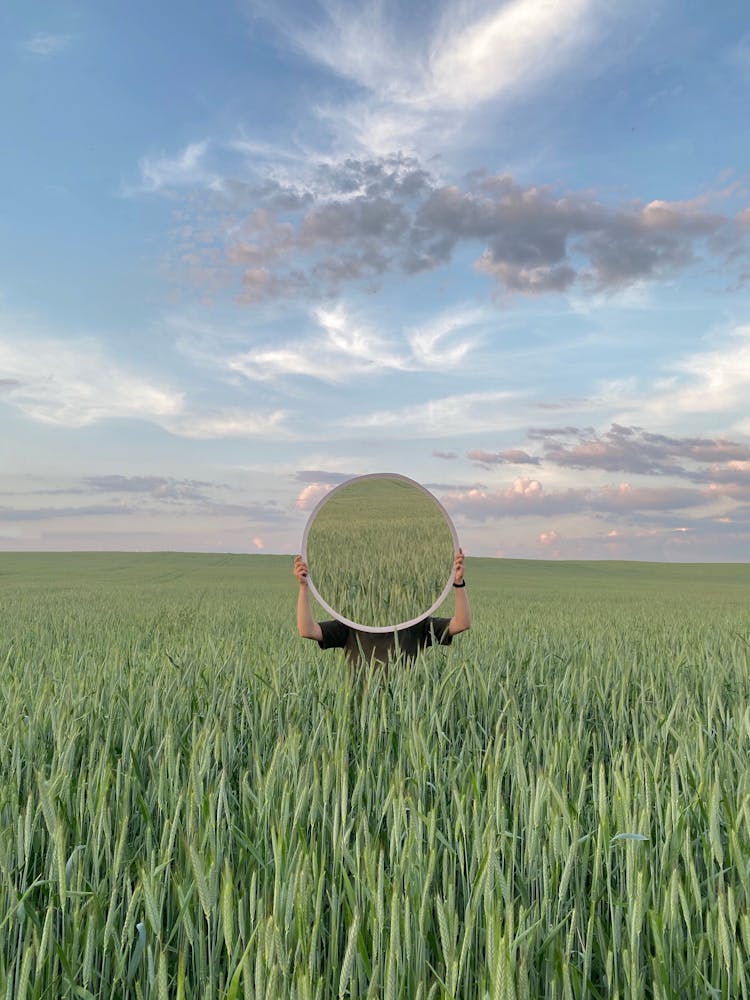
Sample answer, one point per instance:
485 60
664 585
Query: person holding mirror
365 646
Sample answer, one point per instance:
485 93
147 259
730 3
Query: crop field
380 552
197 803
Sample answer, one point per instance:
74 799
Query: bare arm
307 627
461 620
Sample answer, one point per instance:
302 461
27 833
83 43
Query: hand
300 570
458 566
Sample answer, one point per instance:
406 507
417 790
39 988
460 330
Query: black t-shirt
384 646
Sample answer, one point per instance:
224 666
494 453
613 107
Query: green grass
194 802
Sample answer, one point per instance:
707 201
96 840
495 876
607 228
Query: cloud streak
528 498
466 413
512 456
47 44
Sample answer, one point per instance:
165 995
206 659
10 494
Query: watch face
380 552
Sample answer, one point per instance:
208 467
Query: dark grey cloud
512 456
541 433
320 476
360 219
447 455
634 450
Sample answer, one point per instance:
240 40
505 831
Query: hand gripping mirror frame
378 629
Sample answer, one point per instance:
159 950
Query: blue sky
249 249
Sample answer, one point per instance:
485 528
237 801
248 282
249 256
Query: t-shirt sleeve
335 634
436 631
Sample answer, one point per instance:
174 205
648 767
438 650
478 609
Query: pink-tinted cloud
309 496
258 542
731 472
527 497
549 537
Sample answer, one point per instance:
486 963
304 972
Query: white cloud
186 169
457 58
706 385
449 416
229 424
503 51
435 345
347 347
344 348
74 385
46 44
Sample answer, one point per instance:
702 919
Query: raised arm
307 627
461 619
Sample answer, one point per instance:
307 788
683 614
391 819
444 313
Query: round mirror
379 551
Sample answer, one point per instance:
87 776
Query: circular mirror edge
379 629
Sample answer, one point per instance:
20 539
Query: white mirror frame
379 629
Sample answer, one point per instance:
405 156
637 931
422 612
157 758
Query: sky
249 249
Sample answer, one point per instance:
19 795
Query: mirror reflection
380 552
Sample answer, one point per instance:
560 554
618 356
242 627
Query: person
383 646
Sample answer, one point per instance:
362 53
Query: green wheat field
380 551
197 803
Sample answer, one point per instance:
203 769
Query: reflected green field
195 802
380 552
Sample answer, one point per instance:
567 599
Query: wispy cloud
53 513
47 44
74 383
701 385
345 346
465 413
411 76
230 423
437 344
501 51
159 487
186 169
